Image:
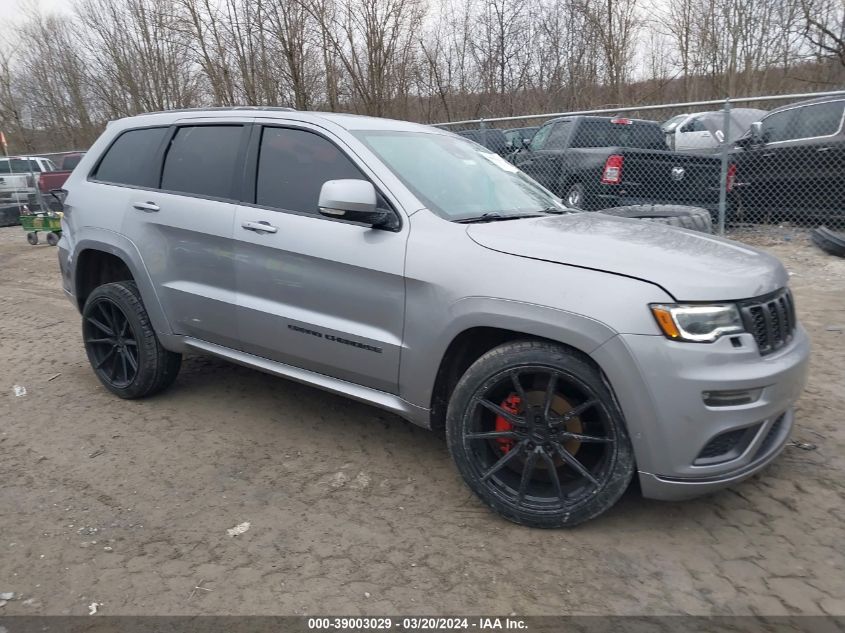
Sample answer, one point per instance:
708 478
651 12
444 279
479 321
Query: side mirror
353 200
756 131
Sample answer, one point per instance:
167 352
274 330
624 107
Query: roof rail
222 109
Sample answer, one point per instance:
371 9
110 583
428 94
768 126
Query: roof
806 103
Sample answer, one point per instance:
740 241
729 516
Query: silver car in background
562 353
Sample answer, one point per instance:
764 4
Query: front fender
422 354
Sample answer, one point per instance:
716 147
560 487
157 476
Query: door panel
185 235
188 250
321 294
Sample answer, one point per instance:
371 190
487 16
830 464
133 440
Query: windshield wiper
497 217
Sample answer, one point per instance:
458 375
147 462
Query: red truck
51 180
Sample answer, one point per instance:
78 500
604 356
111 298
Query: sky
10 11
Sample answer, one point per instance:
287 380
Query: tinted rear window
130 159
203 160
820 119
605 133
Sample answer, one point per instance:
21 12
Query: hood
690 266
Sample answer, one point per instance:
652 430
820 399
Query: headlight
697 323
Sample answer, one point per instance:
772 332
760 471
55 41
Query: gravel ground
353 511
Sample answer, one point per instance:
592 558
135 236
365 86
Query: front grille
771 320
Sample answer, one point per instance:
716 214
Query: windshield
18 166
458 179
670 125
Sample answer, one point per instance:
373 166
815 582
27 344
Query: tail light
612 174
30 180
731 177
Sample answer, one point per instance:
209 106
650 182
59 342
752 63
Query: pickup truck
19 176
55 179
600 162
702 131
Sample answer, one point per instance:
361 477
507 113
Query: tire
693 218
52 238
32 238
829 241
488 399
118 335
575 197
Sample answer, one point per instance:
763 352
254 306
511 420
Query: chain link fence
747 162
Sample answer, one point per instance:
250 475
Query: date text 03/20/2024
416 624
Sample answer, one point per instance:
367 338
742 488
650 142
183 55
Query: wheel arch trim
423 359
120 246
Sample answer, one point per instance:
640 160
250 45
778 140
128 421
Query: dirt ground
354 511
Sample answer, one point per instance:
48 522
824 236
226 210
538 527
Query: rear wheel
121 344
52 238
536 434
576 195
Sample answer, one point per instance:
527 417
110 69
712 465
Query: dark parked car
493 139
792 162
520 137
599 162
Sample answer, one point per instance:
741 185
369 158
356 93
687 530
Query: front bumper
660 386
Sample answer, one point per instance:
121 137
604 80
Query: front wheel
122 346
536 434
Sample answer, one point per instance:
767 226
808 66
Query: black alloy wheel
111 343
539 438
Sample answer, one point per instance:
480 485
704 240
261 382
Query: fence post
723 176
482 125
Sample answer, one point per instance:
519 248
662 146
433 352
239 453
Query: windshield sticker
500 162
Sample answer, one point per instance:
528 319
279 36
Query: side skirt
390 402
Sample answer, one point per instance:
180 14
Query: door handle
259 227
149 207
823 149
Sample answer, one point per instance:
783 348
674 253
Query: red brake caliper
511 405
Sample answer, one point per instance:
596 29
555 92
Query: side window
778 127
694 125
292 167
202 160
820 119
540 137
129 160
558 135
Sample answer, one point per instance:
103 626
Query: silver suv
400 265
